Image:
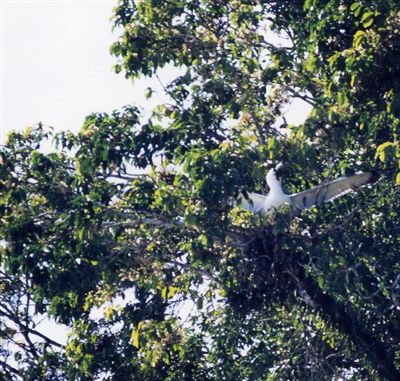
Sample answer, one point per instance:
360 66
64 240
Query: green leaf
358 38
332 59
354 6
367 19
343 101
203 239
385 151
148 93
108 312
353 80
368 23
105 153
81 234
271 147
190 219
307 4
169 291
135 335
164 293
357 10
398 179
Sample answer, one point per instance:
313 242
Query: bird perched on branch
327 191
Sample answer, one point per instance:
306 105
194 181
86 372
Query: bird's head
276 173
281 170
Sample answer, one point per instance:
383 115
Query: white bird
327 191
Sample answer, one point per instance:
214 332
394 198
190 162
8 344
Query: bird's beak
281 170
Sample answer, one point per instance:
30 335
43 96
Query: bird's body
327 191
258 203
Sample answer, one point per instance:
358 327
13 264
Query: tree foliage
156 275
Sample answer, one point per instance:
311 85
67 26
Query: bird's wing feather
254 203
329 191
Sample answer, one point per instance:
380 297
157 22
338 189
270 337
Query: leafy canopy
156 275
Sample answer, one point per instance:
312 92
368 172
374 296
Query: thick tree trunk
350 325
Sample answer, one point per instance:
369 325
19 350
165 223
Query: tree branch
142 259
371 347
26 330
237 239
10 368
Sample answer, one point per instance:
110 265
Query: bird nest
268 272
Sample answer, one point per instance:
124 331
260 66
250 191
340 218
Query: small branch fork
25 330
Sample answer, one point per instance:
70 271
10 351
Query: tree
157 275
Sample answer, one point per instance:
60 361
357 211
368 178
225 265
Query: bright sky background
55 64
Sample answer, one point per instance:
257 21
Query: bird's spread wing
329 191
254 203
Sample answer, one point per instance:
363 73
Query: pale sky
55 64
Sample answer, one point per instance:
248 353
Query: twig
26 330
10 368
186 265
